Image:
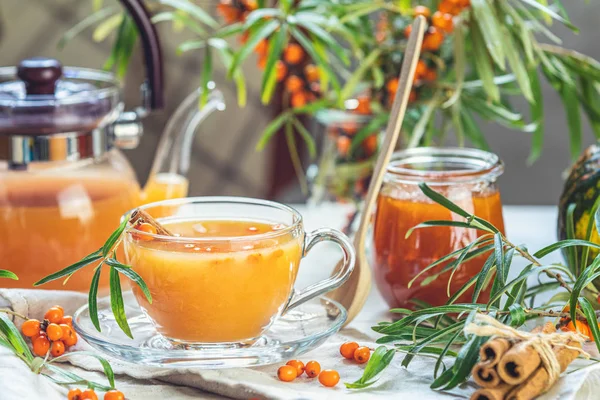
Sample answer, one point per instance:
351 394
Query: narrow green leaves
592 319
269 80
7 274
537 115
112 240
93 298
570 100
484 15
9 331
379 360
132 275
93 257
116 302
255 37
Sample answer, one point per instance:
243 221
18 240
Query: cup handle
340 274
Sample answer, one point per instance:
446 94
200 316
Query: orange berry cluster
352 351
55 333
90 394
295 368
234 11
144 227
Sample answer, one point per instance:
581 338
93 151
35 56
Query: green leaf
517 65
238 76
368 8
93 298
84 24
89 259
311 48
269 80
271 130
517 315
459 64
472 131
380 359
180 19
116 302
429 224
308 139
499 254
108 371
106 27
13 336
73 378
571 251
440 199
483 65
561 244
497 113
588 233
589 100
255 37
428 115
132 275
261 14
193 10
587 276
525 273
109 244
445 351
349 88
550 12
590 315
537 115
484 15
415 349
371 128
7 274
205 76
524 31
571 103
325 37
482 277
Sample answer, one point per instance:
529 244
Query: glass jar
465 176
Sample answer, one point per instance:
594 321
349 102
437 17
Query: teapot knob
39 74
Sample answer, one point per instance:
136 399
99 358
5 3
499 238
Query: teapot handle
153 93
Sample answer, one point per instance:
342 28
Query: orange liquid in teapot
398 259
49 222
215 290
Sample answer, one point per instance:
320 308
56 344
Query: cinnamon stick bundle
485 375
492 351
141 216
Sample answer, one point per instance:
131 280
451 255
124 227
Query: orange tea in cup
227 272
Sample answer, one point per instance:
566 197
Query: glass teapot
64 183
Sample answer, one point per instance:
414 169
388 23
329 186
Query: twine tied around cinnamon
484 325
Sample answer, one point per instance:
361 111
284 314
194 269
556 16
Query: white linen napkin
143 382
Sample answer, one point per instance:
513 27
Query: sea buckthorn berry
311 72
31 327
89 394
433 39
413 96
370 144
287 373
74 394
329 377
57 348
114 395
362 355
41 345
147 228
69 337
280 70
54 315
298 99
40 334
347 350
392 85
293 53
407 31
343 145
312 369
299 365
420 70
448 7
443 21
54 332
67 319
430 75
364 105
262 47
422 10
293 84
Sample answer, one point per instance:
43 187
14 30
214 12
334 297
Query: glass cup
212 284
468 177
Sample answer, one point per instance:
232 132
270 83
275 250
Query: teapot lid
40 97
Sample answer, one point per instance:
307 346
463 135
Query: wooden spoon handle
353 294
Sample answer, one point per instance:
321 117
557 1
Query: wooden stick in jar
141 216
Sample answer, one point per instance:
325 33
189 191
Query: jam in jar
468 178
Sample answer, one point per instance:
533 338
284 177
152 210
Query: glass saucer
300 330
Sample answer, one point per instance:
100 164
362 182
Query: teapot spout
172 161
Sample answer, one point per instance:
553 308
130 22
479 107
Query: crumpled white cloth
143 382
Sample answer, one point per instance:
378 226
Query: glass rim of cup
297 218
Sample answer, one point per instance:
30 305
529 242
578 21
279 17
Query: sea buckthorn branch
429 336
107 256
